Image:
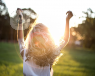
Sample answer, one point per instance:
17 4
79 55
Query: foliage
87 30
4 20
3 8
7 33
73 37
27 14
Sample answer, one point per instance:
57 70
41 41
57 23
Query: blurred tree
87 30
73 37
4 21
3 8
6 31
29 16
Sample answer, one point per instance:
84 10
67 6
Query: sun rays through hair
41 47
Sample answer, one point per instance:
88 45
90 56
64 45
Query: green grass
74 62
10 61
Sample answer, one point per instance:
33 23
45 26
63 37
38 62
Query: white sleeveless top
29 67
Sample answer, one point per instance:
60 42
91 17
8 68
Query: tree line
85 31
7 33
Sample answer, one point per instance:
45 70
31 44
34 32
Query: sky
49 9
52 13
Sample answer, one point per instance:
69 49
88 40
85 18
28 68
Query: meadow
74 62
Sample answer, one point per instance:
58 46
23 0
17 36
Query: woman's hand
20 24
69 15
19 13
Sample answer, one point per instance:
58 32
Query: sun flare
55 27
56 36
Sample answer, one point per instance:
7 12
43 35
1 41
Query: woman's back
29 67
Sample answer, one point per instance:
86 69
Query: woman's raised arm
20 31
20 24
67 32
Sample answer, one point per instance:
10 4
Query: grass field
74 62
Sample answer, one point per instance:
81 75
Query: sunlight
55 27
55 35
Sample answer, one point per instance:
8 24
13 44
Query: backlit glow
55 27
55 35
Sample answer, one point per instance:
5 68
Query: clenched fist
19 13
69 15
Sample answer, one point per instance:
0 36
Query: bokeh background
78 56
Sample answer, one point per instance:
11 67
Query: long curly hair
41 47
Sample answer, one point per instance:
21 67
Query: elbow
67 40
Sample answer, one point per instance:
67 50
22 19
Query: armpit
62 44
21 46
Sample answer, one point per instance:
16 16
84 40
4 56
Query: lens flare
56 36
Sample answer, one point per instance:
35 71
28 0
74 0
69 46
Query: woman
39 51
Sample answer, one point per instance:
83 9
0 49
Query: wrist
20 16
20 21
20 27
67 19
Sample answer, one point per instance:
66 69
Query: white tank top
31 69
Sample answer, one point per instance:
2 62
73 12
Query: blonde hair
40 46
